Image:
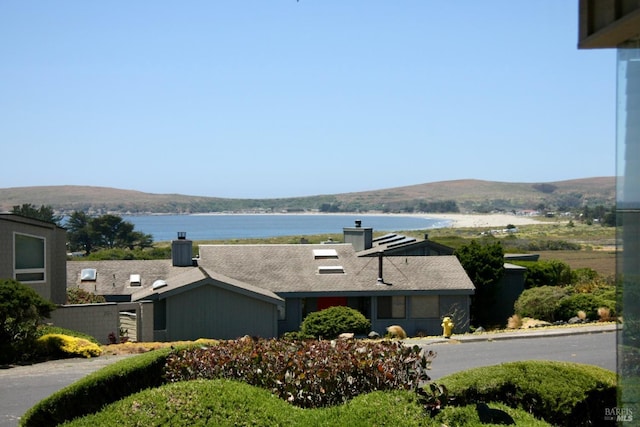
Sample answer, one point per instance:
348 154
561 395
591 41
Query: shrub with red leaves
308 374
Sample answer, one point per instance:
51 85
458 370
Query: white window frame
36 270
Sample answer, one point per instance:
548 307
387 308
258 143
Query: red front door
326 302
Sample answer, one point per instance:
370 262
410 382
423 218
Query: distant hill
445 196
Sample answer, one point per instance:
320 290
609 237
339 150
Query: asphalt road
23 386
593 349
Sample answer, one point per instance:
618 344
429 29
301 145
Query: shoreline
452 220
484 220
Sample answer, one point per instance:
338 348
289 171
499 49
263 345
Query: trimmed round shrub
570 306
333 321
561 393
59 345
540 303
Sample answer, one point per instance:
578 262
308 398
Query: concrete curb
521 334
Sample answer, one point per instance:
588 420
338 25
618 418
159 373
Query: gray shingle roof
266 270
292 269
113 276
200 276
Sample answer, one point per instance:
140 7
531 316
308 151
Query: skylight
325 254
159 284
134 280
330 269
88 274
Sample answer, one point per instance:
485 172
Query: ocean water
241 226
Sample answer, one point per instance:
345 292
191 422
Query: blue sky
262 99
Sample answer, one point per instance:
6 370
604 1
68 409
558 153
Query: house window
29 258
391 307
425 306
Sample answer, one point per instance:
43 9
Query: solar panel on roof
392 239
402 242
386 236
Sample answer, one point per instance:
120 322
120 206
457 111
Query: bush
80 296
468 416
21 311
569 306
564 394
49 329
100 388
232 403
59 345
546 273
306 373
333 321
540 303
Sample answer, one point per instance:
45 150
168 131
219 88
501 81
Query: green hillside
445 196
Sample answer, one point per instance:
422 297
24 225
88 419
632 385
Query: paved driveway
21 387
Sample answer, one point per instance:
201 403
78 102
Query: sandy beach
488 220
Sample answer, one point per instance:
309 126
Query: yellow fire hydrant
447 327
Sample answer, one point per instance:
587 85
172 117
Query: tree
484 264
108 228
106 232
21 311
79 232
44 213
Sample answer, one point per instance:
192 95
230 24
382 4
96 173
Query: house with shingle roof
413 292
267 290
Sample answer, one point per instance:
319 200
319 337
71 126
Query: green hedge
564 394
96 390
233 403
